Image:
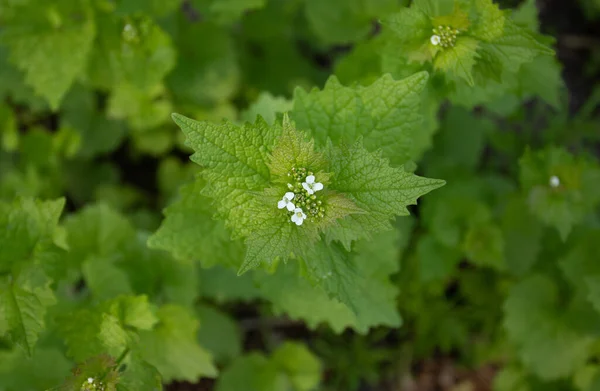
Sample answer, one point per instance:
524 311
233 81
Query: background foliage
113 268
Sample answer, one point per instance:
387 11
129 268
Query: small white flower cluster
554 181
92 385
302 194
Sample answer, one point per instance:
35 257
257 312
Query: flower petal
289 195
281 204
299 221
310 179
306 187
290 206
318 186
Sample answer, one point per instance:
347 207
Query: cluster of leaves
103 289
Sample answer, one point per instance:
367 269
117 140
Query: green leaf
484 245
582 269
342 290
219 334
515 47
98 134
224 285
46 368
299 364
144 110
267 106
522 236
80 330
27 228
542 78
211 72
273 238
113 335
436 261
561 188
104 279
190 233
172 347
345 21
13 85
134 311
435 7
459 143
527 15
98 230
370 297
490 21
152 7
138 54
42 37
109 328
291 294
292 367
227 11
385 114
235 163
24 300
139 375
459 60
543 330
381 191
413 29
252 372
511 379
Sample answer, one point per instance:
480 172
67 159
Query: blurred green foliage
115 272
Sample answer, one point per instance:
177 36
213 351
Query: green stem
122 356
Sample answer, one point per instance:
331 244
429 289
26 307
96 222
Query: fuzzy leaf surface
385 114
41 36
172 346
542 330
234 160
383 192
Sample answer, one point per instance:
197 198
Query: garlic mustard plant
463 40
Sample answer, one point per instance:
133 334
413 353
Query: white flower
90 380
311 186
298 216
286 201
435 40
554 181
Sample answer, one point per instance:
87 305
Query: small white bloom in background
90 380
286 201
435 40
311 186
298 216
554 181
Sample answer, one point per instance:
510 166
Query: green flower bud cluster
309 203
447 35
299 174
